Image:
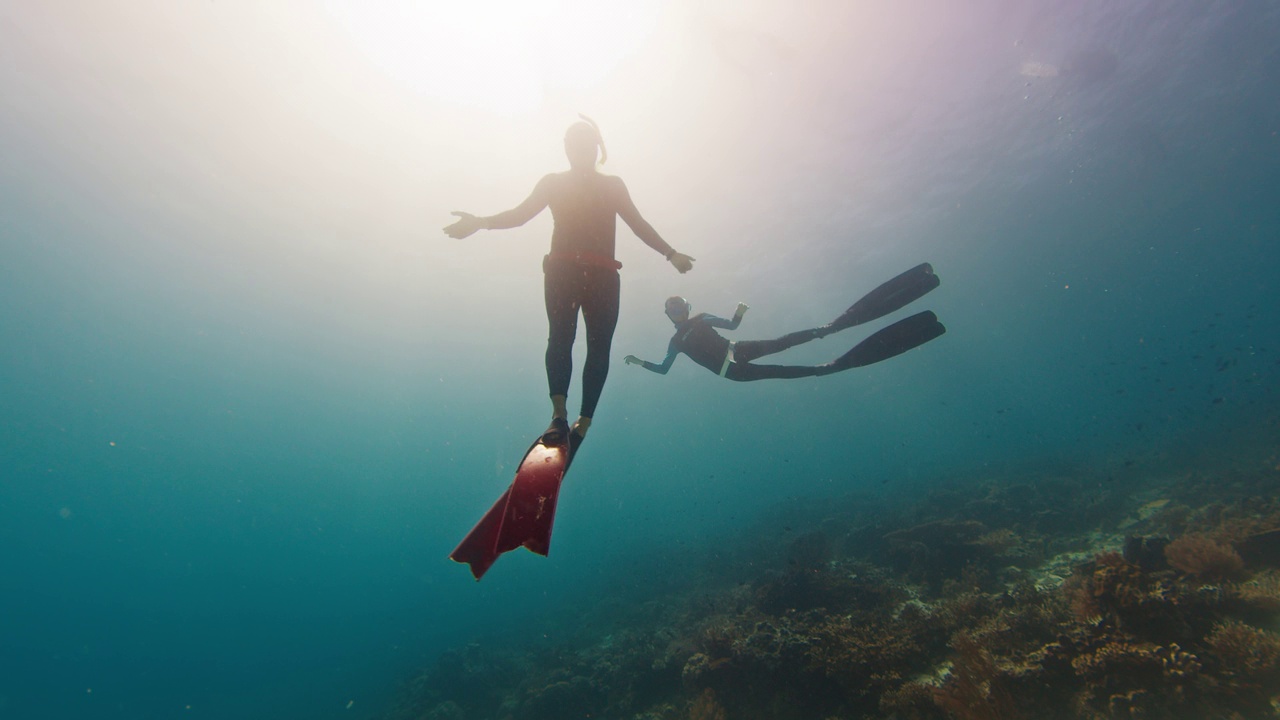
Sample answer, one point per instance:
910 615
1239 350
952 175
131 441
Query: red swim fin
525 512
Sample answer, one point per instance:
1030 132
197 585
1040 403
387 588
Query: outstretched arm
515 217
728 324
661 369
643 230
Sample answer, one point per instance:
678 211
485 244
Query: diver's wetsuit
580 271
697 338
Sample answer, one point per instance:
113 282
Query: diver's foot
556 432
578 434
822 331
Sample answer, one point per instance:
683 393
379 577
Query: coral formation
1259 597
1250 659
975 690
1203 557
967 607
705 707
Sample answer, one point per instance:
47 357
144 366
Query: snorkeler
581 274
580 271
696 336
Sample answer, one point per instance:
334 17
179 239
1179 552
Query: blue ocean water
252 397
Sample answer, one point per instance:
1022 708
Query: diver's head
581 142
677 309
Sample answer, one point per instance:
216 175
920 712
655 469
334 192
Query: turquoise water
249 406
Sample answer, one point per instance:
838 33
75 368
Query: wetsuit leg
746 372
748 350
562 285
600 311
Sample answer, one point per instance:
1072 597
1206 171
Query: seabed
1042 597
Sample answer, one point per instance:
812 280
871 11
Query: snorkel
581 142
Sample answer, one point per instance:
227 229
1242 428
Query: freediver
696 336
580 272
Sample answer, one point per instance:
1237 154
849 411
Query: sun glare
498 55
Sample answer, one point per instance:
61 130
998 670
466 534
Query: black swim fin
892 295
894 340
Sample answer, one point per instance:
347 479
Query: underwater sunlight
502 56
907 361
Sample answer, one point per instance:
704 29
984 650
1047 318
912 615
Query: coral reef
1146 552
705 707
1203 557
987 605
1259 597
1250 655
949 550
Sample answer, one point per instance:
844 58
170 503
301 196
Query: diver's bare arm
522 213
631 216
515 217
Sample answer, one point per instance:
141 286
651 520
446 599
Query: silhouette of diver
580 272
696 336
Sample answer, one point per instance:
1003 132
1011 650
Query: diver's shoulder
574 175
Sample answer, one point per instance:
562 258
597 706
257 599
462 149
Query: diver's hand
465 226
742 310
682 262
632 360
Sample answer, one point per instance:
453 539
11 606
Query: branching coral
864 658
705 707
1120 659
1121 679
974 691
1260 596
1111 584
1029 621
1177 664
1203 557
911 701
1249 654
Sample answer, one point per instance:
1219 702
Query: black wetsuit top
697 338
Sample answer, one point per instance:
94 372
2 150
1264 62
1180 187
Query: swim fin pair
524 514
899 337
892 295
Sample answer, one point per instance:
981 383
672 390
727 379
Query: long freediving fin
524 514
894 340
891 295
